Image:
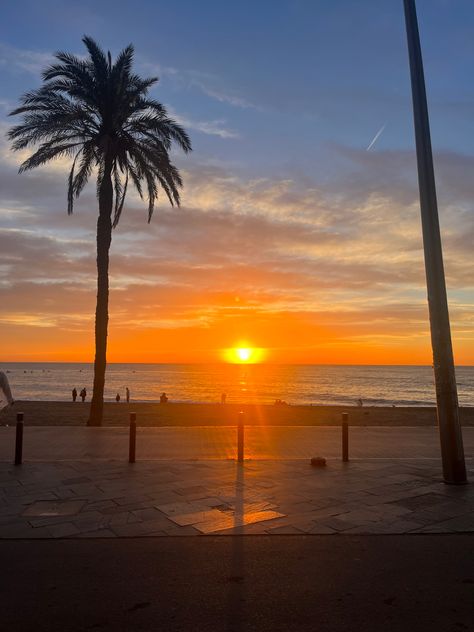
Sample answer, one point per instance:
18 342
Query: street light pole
452 452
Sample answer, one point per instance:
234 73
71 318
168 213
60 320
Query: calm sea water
263 383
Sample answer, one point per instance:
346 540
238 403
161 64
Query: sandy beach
44 413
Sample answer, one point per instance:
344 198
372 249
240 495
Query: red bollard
19 439
132 438
345 437
240 437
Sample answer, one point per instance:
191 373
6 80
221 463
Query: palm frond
100 113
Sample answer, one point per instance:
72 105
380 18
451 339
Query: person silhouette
163 398
223 398
127 394
83 394
74 394
117 398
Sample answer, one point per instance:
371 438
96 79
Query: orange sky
310 277
313 273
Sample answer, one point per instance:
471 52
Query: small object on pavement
318 461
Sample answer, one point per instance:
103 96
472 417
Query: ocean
257 383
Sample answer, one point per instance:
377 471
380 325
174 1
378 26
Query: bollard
240 437
19 439
345 437
133 438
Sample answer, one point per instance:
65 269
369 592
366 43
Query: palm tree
100 115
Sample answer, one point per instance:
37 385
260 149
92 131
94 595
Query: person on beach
223 398
163 398
74 394
83 394
6 397
127 394
360 403
117 398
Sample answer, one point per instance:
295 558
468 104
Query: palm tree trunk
104 239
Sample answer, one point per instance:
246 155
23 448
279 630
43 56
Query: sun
244 354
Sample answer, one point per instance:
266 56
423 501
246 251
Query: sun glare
244 355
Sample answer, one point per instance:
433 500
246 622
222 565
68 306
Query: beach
54 413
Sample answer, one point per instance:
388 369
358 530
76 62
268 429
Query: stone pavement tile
399 526
63 493
135 506
101 505
285 530
124 517
420 501
210 501
327 512
387 510
337 523
23 530
11 519
193 490
320 529
130 530
10 484
100 533
87 490
172 509
32 498
459 524
52 508
361 516
164 498
48 521
198 517
159 524
76 481
150 513
229 521
90 521
180 531
63 530
444 511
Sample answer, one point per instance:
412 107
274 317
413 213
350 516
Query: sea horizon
299 384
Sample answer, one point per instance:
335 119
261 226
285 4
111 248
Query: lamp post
452 452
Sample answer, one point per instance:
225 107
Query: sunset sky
297 234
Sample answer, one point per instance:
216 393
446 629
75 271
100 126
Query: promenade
77 482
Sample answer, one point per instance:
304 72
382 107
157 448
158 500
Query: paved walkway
53 443
83 486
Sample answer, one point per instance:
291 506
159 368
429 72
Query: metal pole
19 439
240 437
132 438
452 452
345 437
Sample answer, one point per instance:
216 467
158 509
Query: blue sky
282 99
287 77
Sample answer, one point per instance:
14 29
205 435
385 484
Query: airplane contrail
375 138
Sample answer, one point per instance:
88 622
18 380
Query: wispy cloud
217 127
24 60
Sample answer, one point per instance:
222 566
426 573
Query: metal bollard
132 438
240 437
345 437
19 439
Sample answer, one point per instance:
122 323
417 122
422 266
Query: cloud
19 59
211 128
241 252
